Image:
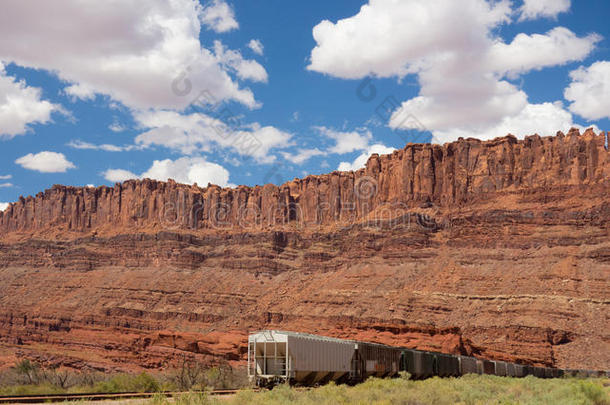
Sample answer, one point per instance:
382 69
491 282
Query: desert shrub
60 378
404 375
30 371
220 377
190 398
593 392
194 398
190 375
142 382
196 375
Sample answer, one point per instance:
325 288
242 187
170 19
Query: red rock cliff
451 175
499 249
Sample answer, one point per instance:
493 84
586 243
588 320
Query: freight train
302 359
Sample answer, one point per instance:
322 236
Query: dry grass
467 390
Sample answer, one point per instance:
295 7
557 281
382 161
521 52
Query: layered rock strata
499 249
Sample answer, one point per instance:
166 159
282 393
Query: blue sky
281 89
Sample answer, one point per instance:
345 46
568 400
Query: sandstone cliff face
449 176
499 249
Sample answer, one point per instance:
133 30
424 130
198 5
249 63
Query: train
276 357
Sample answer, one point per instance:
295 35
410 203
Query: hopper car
276 357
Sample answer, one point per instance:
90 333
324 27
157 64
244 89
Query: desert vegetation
467 390
29 377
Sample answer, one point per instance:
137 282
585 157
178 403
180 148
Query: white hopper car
275 356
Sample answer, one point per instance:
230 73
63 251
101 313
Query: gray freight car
447 365
487 366
277 356
501 369
468 365
418 364
372 359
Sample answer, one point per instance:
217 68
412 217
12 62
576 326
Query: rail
34 399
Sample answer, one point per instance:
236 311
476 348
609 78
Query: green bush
128 383
594 393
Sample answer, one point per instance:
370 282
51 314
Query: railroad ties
36 399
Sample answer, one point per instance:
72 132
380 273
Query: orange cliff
450 175
494 248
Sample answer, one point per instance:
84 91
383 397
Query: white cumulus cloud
533 9
185 170
46 162
142 53
234 61
189 171
461 68
536 51
355 47
3 206
116 127
198 132
302 155
346 141
21 105
359 140
543 119
256 46
361 160
589 91
217 15
119 175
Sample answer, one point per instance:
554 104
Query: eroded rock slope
499 249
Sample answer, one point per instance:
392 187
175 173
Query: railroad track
35 399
